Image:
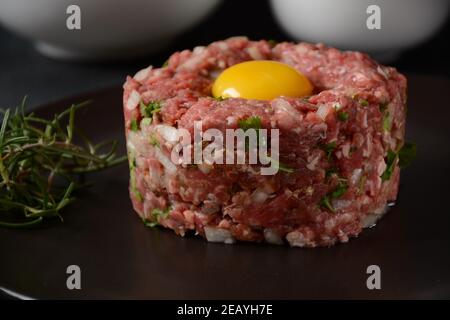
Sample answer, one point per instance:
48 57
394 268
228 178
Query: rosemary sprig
41 162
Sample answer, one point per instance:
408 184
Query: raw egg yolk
261 80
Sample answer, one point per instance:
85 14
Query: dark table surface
120 258
23 71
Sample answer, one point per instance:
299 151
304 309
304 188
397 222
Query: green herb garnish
134 125
329 172
146 122
219 98
253 122
133 186
165 64
325 203
338 192
405 156
363 102
272 42
342 116
151 108
40 164
387 121
154 141
157 215
383 106
283 167
329 148
390 165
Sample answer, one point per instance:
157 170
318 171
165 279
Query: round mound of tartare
338 146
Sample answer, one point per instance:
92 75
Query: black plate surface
120 258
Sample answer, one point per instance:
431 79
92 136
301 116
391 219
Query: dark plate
120 258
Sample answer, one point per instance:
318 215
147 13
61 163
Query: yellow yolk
261 80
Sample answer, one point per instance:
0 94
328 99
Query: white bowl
342 23
109 28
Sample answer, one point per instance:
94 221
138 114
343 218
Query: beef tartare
338 146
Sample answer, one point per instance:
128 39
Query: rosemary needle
41 163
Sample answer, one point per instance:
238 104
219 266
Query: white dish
404 23
109 28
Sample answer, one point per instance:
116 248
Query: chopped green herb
250 123
254 122
220 98
363 102
329 148
165 64
329 172
148 110
133 186
407 154
138 195
325 203
342 116
361 184
131 161
157 215
283 167
387 121
134 125
339 191
154 142
390 165
272 42
146 122
336 193
383 106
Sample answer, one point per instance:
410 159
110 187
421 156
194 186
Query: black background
23 71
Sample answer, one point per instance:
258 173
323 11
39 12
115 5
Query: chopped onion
281 105
214 74
142 74
381 167
166 162
205 168
198 49
382 72
341 204
296 239
259 196
218 235
272 237
346 150
370 220
312 163
254 53
356 175
169 133
323 111
222 45
133 100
